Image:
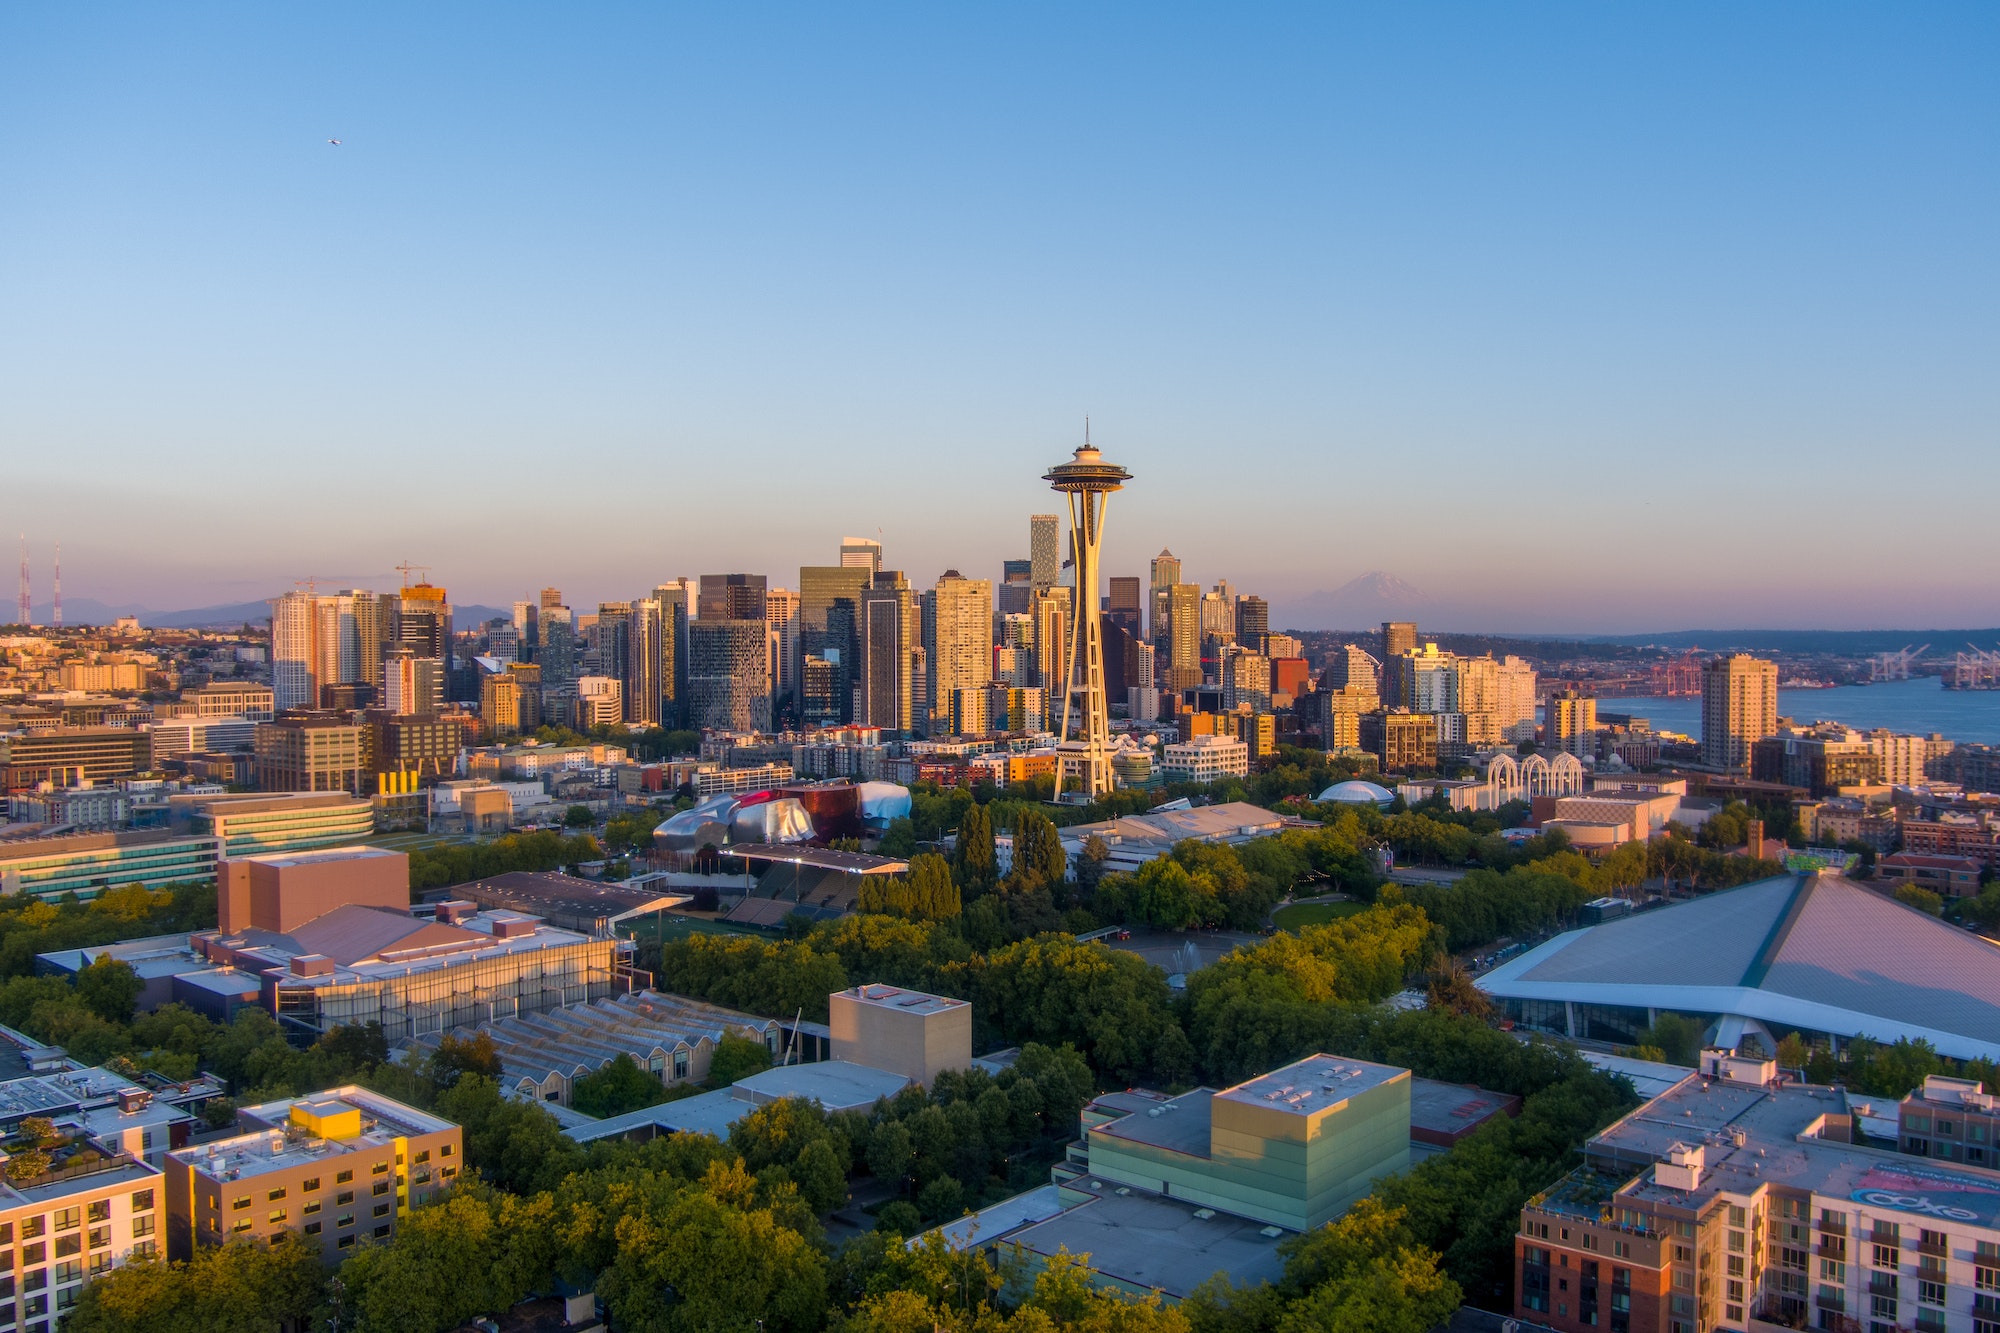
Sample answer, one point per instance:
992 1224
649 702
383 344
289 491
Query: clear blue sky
1572 316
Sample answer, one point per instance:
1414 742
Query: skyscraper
1044 555
412 685
527 630
558 657
323 639
1398 638
1126 605
1514 699
1253 622
645 662
676 601
1218 614
295 651
861 553
729 683
960 647
891 631
781 618
829 632
1739 707
1350 664
614 647
423 623
730 597
1016 593
372 615
1054 622
1571 724
1166 572
1182 612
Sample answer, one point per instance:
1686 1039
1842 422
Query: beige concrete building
1515 698
1904 759
500 704
1205 759
1183 639
315 752
337 1167
906 1032
1570 724
600 702
231 699
960 651
285 890
1739 707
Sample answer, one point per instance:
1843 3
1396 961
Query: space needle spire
1087 480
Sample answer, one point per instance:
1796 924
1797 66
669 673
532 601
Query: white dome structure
1357 792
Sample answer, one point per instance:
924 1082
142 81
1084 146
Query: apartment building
95 1207
337 1167
1734 1201
1739 707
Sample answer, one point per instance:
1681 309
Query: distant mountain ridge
1366 599
227 615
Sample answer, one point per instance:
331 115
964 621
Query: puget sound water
1921 706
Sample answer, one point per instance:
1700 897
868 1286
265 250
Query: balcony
1934 1242
1835 1301
1832 1249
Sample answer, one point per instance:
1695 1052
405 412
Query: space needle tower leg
1087 481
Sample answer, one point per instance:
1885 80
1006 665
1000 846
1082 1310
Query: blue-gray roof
1806 952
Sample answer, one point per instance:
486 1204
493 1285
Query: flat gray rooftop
1451 1108
835 1084
1179 1124
705 1113
906 1001
1313 1084
1154 1243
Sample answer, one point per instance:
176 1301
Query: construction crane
1894 666
423 572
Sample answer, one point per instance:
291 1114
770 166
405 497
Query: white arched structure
1503 780
1561 776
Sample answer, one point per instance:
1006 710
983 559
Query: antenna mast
57 618
25 608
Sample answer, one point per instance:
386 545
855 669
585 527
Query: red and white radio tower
25 607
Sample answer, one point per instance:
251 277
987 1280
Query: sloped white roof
1796 952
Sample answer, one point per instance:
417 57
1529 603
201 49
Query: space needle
1087 480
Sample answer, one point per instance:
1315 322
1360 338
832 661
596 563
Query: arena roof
1808 953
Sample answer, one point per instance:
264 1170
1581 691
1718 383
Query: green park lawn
1294 915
